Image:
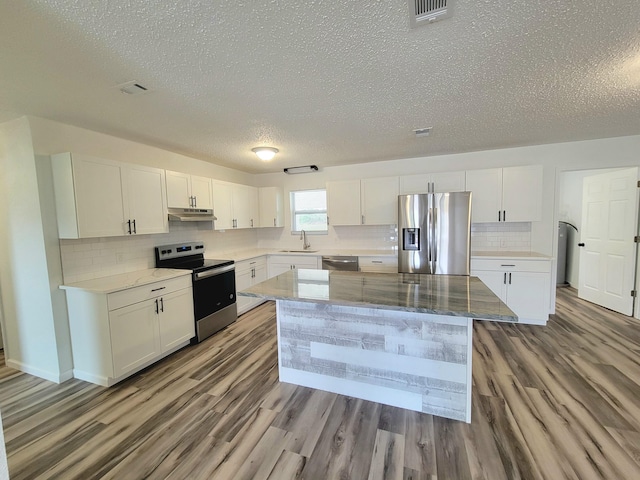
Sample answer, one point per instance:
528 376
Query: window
309 211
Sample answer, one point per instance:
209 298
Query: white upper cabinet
222 200
432 182
146 199
189 191
512 194
343 203
271 207
379 200
373 201
235 205
245 206
103 198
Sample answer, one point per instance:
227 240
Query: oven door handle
213 272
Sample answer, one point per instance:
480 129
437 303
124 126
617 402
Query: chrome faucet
303 236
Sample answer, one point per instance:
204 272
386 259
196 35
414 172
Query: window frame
293 212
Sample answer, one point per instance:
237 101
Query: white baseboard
38 372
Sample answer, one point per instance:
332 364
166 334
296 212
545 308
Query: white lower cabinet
378 264
249 273
523 284
283 263
117 334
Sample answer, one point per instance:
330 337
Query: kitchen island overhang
399 339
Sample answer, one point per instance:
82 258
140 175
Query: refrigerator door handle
435 238
428 229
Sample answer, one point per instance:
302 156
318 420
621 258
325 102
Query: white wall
52 137
29 320
555 158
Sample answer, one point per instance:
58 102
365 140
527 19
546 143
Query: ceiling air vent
132 88
423 12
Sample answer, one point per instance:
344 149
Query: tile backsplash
99 257
514 237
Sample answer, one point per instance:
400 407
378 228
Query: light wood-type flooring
555 402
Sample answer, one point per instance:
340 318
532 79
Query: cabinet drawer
382 264
144 292
384 260
512 265
246 265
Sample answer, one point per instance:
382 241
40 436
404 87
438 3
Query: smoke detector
424 12
132 88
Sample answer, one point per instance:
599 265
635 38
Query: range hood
191 215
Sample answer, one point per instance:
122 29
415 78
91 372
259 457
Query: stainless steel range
214 285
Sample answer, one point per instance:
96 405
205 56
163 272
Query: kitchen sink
299 251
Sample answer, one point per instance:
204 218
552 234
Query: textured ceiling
327 82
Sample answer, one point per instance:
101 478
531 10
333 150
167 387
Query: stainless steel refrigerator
434 233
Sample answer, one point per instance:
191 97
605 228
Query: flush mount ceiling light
303 169
265 153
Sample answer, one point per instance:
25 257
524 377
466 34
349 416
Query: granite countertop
241 255
115 283
510 254
452 295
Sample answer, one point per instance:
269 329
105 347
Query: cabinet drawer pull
156 289
376 261
507 265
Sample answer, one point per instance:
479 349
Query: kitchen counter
509 254
397 339
241 255
115 283
450 295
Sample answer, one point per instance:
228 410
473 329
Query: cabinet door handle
362 219
157 289
134 226
161 304
157 308
499 216
509 278
252 223
504 278
274 222
195 201
504 215
129 226
327 219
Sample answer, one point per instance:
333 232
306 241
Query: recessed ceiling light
265 153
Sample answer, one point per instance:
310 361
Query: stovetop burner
187 256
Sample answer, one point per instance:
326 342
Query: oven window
213 293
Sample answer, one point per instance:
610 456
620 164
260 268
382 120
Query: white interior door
609 224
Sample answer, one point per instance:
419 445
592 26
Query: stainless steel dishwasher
340 262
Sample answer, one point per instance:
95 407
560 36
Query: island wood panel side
410 360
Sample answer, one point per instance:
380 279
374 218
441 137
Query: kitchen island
399 339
